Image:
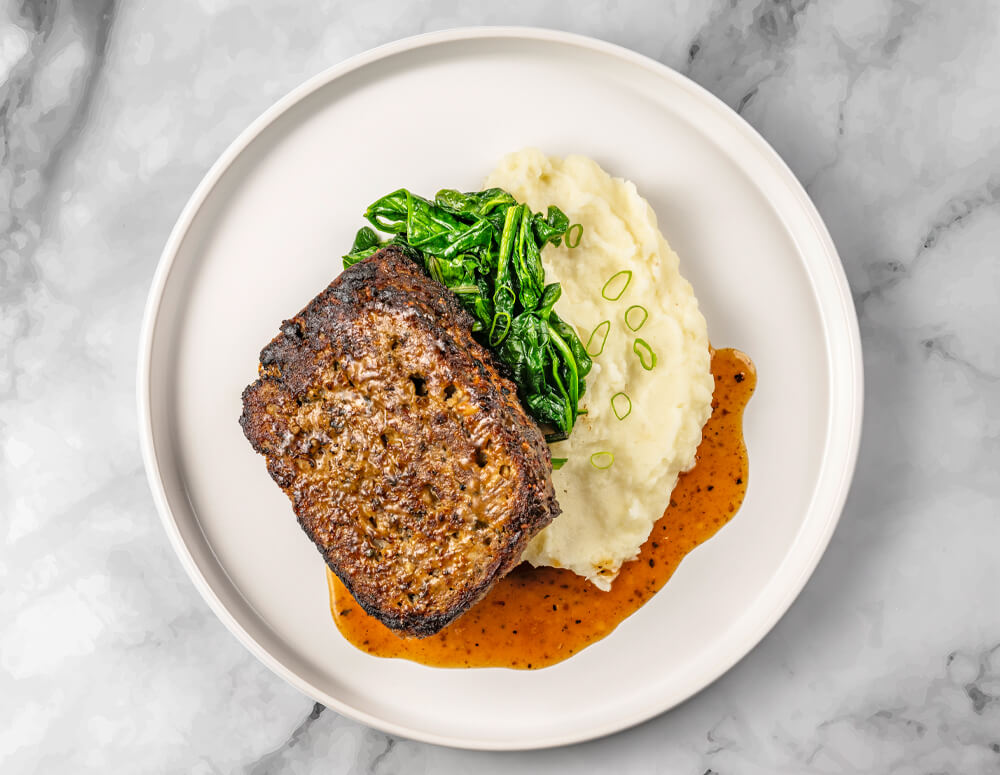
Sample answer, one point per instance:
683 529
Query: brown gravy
535 617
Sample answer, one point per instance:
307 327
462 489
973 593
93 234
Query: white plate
262 235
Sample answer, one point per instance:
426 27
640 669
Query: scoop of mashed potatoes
609 511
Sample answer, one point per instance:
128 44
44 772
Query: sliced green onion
645 314
575 230
602 460
627 273
646 355
558 462
606 325
621 409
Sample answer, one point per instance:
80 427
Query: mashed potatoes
608 512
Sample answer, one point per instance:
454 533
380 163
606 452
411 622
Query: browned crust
421 492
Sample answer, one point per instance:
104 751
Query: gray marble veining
888 111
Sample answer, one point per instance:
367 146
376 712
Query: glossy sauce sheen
535 617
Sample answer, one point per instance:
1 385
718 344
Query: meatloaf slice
407 456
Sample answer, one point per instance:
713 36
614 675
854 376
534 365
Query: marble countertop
889 113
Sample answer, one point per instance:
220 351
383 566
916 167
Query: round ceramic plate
263 234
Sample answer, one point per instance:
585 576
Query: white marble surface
889 112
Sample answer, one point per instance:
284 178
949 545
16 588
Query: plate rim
834 508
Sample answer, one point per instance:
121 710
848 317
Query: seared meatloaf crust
407 456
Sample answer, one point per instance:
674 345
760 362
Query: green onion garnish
622 409
602 460
645 314
576 230
627 273
558 462
603 337
646 355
